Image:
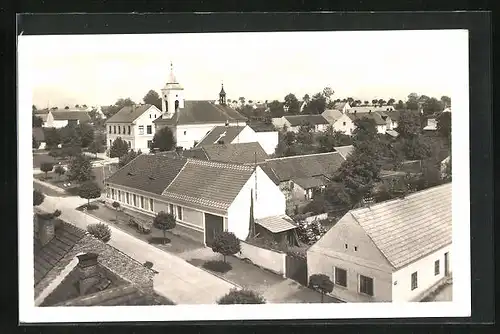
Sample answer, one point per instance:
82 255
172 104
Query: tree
391 102
317 104
226 243
366 102
400 105
70 136
164 221
89 190
52 137
66 108
131 155
444 125
276 109
243 296
380 102
164 139
46 167
415 148
446 101
59 170
153 98
431 106
306 98
33 108
116 205
38 198
96 147
77 106
242 100
80 169
85 132
119 104
119 148
292 103
100 231
321 283
37 121
34 143
413 101
408 124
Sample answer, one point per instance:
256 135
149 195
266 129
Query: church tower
222 96
172 95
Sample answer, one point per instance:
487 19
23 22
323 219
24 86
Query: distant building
39 136
293 123
397 250
61 118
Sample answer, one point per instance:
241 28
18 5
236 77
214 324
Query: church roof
199 112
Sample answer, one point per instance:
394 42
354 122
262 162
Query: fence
265 258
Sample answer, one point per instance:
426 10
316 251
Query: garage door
213 226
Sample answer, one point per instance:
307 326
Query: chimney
46 230
87 268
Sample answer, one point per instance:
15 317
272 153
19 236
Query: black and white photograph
310 173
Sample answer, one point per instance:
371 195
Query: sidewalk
177 280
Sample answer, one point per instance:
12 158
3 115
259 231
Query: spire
172 78
222 95
222 92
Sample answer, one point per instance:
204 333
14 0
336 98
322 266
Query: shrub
38 198
89 190
164 221
59 170
148 264
55 153
243 296
34 143
116 205
100 231
50 215
321 283
217 266
226 243
46 167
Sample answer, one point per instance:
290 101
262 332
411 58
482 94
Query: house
61 118
343 107
39 136
300 177
190 121
134 124
431 124
339 121
380 122
293 123
241 153
206 197
98 111
72 268
395 251
268 140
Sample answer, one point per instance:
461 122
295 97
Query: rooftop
344 151
244 153
225 133
82 116
128 114
297 120
276 224
332 115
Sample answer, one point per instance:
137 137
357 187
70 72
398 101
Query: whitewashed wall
268 140
265 258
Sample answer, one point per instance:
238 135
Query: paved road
177 280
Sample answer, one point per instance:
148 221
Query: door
446 264
213 226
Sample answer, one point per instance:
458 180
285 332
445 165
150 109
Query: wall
125 136
269 201
265 258
147 118
365 259
268 140
317 217
401 279
348 128
278 121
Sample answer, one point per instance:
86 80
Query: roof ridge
219 164
303 155
179 173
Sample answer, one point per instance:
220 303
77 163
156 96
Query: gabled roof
370 115
344 151
410 228
332 115
366 109
128 114
200 112
340 105
297 120
303 166
147 172
208 184
225 133
82 116
243 153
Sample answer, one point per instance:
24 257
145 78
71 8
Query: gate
296 268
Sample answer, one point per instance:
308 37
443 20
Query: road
177 280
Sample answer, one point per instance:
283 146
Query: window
119 130
110 129
135 199
129 129
112 193
155 116
345 245
151 206
114 129
124 129
171 209
366 285
179 213
141 129
436 267
150 144
142 202
110 142
149 129
414 281
119 195
340 277
107 192
127 198
185 132
129 144
149 115
355 248
343 124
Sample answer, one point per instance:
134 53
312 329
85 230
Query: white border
460 307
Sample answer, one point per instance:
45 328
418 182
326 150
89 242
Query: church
191 120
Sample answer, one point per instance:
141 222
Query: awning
276 224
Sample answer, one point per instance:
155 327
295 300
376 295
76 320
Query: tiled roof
243 153
129 114
303 166
147 172
209 184
38 134
66 236
82 116
196 112
196 153
226 133
344 151
373 115
339 105
332 115
311 182
297 120
276 224
410 228
366 109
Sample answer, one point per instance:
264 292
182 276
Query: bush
55 153
38 198
164 221
217 266
148 264
226 243
50 215
118 148
100 231
59 170
46 167
243 296
321 283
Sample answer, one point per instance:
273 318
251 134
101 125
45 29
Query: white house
397 250
61 118
190 121
343 107
134 124
239 135
206 197
294 122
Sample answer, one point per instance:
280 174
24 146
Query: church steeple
222 95
172 95
172 79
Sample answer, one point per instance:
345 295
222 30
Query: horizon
97 70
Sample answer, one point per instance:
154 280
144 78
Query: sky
99 69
